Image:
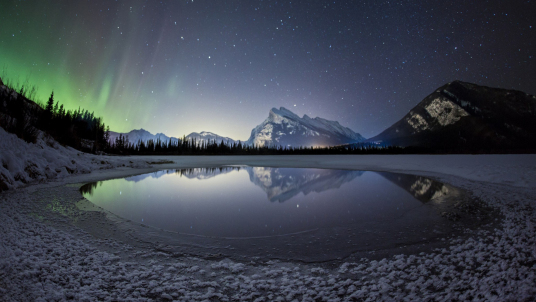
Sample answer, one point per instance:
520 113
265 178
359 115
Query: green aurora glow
182 66
97 69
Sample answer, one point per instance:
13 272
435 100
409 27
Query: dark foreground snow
47 254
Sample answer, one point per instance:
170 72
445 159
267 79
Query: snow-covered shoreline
47 254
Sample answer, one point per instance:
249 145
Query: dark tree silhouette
50 104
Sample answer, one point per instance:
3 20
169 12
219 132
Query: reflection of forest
422 188
199 173
88 188
281 184
205 173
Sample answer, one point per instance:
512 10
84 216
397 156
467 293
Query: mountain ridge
297 131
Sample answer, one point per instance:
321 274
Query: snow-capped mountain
136 135
205 136
141 134
284 128
461 116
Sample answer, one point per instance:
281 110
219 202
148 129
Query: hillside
464 117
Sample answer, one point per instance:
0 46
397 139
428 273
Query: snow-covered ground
52 251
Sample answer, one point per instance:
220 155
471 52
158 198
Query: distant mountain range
136 135
462 116
457 117
281 128
210 137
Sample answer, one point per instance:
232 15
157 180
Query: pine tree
55 110
50 104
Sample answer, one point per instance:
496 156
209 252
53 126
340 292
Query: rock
166 296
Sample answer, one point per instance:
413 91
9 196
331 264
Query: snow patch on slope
445 111
441 109
417 122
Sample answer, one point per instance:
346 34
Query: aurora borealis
182 66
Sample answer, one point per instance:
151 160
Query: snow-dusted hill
465 117
23 163
283 127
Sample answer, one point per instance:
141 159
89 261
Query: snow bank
24 163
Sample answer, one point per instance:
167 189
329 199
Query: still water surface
257 202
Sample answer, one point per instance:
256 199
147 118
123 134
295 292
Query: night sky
182 66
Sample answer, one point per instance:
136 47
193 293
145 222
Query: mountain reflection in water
282 184
231 201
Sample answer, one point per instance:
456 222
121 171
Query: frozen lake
295 212
54 241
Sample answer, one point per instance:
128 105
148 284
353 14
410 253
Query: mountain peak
285 109
140 130
284 112
204 133
283 127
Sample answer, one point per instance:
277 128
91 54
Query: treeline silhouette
79 129
184 146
